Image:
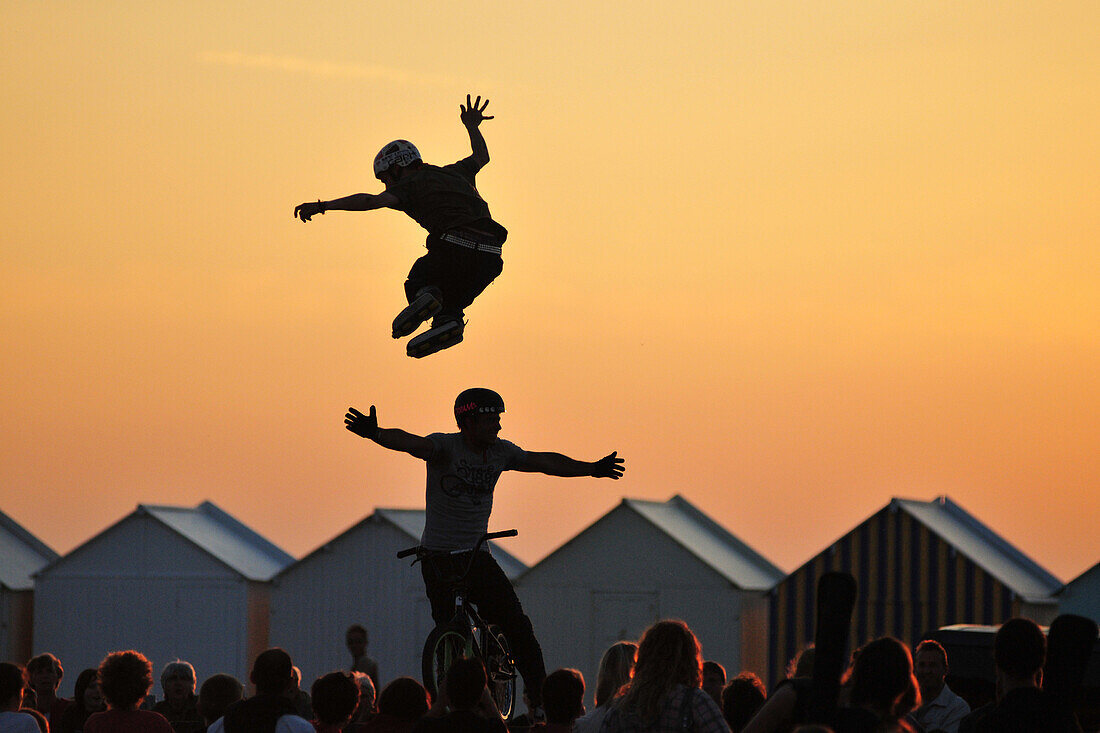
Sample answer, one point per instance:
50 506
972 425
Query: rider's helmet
477 400
399 152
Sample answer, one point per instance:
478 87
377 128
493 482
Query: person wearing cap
464 242
462 473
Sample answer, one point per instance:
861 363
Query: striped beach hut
21 556
919 565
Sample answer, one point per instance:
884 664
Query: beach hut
356 578
171 582
644 561
919 565
1082 595
21 556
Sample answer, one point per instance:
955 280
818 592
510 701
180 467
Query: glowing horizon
790 260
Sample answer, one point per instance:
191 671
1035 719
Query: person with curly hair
125 678
665 694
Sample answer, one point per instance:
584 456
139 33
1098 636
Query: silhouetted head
86 695
217 693
356 639
882 678
477 412
177 679
741 699
404 698
616 666
464 682
1020 649
335 697
563 696
714 679
393 159
668 655
13 679
930 668
367 695
272 672
45 672
125 678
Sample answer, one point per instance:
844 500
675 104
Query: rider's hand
308 210
610 466
365 426
472 114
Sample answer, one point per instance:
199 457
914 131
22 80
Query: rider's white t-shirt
459 494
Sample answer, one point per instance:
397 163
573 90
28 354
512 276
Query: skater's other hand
365 426
610 466
472 114
308 210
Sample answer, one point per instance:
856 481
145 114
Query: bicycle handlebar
482 540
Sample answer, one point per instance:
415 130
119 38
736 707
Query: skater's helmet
399 152
477 400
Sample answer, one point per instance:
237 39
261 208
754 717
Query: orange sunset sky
789 258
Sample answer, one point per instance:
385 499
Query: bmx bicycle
467 635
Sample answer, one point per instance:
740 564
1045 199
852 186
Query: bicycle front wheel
444 645
501 671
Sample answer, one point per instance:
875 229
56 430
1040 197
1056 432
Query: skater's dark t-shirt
459 496
440 199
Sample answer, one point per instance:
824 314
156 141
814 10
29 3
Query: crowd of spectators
659 684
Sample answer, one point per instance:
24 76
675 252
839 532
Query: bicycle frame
478 638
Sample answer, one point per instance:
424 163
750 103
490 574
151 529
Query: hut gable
642 561
170 541
684 535
223 537
172 582
709 542
919 565
21 555
1082 595
984 547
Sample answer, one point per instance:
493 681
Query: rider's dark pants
459 273
496 601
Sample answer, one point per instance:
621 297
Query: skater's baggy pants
460 273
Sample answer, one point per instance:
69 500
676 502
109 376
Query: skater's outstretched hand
365 426
610 466
473 114
308 210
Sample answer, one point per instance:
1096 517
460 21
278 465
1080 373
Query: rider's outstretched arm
555 464
355 202
366 426
472 116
